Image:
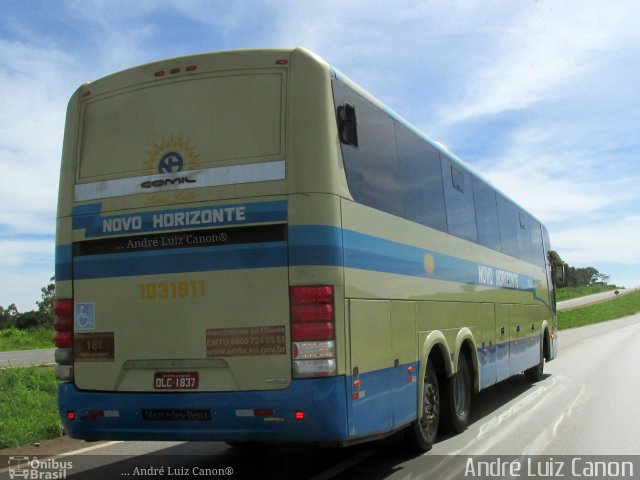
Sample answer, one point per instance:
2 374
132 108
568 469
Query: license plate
175 380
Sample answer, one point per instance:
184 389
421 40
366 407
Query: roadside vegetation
12 338
567 293
618 307
28 406
28 330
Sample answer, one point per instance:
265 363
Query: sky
542 98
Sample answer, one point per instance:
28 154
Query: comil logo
170 163
170 157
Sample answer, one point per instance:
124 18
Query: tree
11 317
582 277
27 320
45 306
8 316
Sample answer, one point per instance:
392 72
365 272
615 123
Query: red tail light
312 313
63 323
63 307
312 294
313 331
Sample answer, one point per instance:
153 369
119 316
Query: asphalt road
23 358
586 404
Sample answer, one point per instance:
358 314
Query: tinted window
486 215
393 169
421 178
509 226
537 247
458 196
372 166
524 237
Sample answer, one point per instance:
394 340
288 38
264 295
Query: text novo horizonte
161 220
497 278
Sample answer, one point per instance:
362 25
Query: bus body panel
209 299
442 278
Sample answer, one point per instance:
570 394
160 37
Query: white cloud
545 48
26 265
550 199
17 252
22 287
614 242
35 84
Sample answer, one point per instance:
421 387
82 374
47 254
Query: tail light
63 339
313 331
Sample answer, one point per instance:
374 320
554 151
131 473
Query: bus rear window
182 125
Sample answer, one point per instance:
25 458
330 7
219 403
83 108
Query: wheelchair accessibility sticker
85 318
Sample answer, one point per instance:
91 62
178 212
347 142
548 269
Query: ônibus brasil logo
32 468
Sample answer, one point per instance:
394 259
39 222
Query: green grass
600 312
14 339
568 293
28 406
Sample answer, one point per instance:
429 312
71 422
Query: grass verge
28 406
600 312
12 339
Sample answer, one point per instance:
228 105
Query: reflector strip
186 179
358 395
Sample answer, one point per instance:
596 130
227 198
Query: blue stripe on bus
230 257
91 219
63 268
307 245
315 245
334 246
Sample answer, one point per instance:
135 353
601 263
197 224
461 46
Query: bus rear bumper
217 416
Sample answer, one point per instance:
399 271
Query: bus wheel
456 398
535 374
423 431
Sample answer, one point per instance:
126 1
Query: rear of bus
184 306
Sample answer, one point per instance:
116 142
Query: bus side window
347 124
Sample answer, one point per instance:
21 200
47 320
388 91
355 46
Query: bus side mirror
559 274
347 124
557 266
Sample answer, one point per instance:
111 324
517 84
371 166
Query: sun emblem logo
172 155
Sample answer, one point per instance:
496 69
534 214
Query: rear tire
456 398
422 433
535 374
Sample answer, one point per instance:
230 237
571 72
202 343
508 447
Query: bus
252 248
